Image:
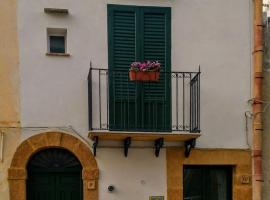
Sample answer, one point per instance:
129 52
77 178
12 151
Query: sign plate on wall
245 179
156 198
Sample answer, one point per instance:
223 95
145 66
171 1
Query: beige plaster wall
9 88
11 141
9 59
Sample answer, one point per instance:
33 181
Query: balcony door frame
140 88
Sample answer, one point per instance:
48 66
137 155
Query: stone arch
17 173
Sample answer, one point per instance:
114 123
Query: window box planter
144 75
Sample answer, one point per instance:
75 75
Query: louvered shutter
138 34
156 46
122 52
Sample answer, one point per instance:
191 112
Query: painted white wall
137 176
212 33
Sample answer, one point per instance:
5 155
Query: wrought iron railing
170 104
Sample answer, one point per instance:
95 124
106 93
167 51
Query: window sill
56 11
58 54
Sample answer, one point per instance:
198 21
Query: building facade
73 126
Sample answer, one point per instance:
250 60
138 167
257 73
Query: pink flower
145 66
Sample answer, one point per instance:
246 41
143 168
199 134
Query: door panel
69 186
54 186
41 187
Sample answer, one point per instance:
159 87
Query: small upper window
57 41
57 44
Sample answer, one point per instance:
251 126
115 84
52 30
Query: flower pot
144 75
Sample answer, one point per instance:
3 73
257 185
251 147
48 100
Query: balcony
168 109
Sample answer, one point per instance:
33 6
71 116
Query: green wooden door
54 174
138 34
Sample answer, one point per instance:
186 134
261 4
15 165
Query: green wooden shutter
122 52
138 34
156 46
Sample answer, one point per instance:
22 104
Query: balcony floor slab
143 136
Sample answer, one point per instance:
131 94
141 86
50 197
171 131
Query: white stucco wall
137 176
213 33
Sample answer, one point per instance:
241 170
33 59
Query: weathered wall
266 114
11 142
9 88
9 60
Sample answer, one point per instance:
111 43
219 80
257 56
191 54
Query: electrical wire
41 128
251 115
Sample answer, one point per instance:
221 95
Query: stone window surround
57 32
17 173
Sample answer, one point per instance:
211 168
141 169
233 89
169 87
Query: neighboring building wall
266 114
9 89
9 60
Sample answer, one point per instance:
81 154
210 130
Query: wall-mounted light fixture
111 188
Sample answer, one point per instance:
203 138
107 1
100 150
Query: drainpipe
257 103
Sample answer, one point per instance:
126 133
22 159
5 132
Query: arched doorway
54 174
18 175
